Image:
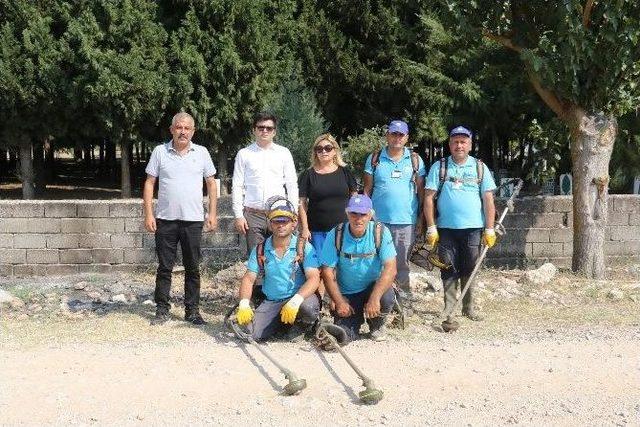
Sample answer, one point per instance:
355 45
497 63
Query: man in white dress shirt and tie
261 170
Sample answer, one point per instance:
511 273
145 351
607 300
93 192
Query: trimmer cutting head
371 395
294 387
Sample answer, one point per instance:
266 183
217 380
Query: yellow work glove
432 237
489 237
290 309
245 312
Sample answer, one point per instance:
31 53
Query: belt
254 210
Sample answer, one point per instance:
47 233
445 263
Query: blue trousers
317 240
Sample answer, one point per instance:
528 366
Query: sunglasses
265 128
281 220
325 148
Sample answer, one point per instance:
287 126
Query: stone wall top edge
570 197
134 201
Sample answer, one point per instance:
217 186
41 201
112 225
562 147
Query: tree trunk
101 158
143 152
4 164
49 164
110 158
40 179
592 138
77 152
26 170
222 169
86 148
125 170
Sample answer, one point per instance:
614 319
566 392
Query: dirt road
531 362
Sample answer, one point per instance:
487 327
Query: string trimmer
449 324
326 333
295 385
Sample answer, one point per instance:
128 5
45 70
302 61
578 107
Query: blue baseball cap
360 203
398 126
460 130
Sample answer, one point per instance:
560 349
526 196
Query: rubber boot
406 298
377 328
450 294
468 303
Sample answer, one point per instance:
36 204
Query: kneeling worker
291 279
358 268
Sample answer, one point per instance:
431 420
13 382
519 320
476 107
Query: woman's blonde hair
326 137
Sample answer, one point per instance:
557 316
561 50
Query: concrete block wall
46 237
541 229
64 237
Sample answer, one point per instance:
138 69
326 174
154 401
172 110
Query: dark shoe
162 316
195 318
295 334
473 315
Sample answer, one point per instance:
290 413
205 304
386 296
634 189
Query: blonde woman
324 191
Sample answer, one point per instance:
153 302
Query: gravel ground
564 352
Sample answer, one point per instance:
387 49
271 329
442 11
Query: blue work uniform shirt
277 284
357 274
394 194
459 203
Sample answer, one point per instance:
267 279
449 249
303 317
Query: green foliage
31 77
226 60
549 145
358 147
374 60
625 159
300 120
593 64
116 61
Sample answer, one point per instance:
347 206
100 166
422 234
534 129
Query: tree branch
505 41
586 13
548 97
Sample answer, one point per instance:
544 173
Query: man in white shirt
179 165
261 170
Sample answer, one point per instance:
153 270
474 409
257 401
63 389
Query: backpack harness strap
377 239
297 261
443 174
415 164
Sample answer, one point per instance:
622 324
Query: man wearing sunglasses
394 178
358 276
289 283
262 170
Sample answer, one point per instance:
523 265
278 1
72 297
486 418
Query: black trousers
168 235
461 248
352 323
